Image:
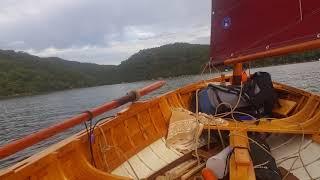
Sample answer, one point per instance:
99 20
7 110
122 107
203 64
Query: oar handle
43 134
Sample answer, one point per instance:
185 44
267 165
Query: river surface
25 115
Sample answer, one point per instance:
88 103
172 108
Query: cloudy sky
100 31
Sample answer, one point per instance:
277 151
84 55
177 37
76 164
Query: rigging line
286 159
283 144
88 131
202 72
252 140
288 172
105 148
199 129
209 135
307 164
294 154
90 136
300 157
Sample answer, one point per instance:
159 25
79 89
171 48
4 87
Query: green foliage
21 73
290 58
165 61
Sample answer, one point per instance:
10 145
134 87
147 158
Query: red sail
244 27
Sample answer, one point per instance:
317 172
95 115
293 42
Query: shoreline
49 92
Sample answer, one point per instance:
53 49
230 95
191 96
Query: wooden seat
286 106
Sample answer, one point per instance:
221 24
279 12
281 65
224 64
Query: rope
260 165
209 138
90 136
304 166
105 148
205 67
283 144
232 111
197 115
285 176
199 129
252 140
299 156
307 164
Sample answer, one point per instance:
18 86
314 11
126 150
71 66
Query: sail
244 27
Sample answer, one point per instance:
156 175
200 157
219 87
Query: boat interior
132 145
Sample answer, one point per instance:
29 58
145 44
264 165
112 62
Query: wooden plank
181 169
165 153
121 170
193 171
300 103
139 167
286 106
173 164
150 158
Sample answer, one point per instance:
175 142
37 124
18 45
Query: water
25 115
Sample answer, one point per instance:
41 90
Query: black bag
261 92
266 167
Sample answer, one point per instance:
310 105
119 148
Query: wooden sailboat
132 145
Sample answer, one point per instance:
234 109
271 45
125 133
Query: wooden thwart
286 106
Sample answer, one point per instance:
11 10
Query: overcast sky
100 31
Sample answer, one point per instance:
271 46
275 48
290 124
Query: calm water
25 115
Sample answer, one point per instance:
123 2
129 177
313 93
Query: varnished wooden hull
145 122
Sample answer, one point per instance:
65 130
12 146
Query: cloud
103 32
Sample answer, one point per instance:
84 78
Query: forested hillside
22 73
165 61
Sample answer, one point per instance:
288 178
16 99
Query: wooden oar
43 134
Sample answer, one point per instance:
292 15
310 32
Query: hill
25 74
22 74
165 61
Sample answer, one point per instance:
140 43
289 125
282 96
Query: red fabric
254 25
